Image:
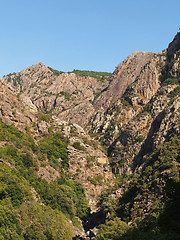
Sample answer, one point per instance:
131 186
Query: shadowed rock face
174 46
173 58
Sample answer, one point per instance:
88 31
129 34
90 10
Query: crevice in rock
147 146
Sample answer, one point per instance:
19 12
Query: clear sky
82 34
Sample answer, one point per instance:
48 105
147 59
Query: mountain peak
40 64
174 45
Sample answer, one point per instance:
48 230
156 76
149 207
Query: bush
100 76
112 230
10 228
78 146
55 72
171 81
55 146
175 92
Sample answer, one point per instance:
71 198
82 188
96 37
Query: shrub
112 230
55 72
78 146
171 81
55 146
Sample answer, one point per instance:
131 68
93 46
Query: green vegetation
66 95
12 135
112 229
140 138
55 72
16 80
125 102
20 215
23 218
78 146
108 133
97 180
175 92
73 131
96 95
44 116
54 145
171 81
100 76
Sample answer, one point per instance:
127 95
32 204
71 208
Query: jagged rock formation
126 73
138 129
15 110
70 96
87 163
146 108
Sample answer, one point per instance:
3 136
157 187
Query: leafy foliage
22 217
78 146
55 145
43 116
112 230
10 133
66 95
175 92
100 76
55 72
10 228
171 81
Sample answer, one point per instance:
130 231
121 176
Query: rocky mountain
141 133
76 157
70 96
99 147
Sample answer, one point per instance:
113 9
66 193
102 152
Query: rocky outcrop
127 72
145 115
67 95
87 162
14 110
174 46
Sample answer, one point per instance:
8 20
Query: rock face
173 57
121 111
125 74
76 98
70 96
145 113
14 110
87 163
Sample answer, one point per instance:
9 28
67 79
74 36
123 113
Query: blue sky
82 34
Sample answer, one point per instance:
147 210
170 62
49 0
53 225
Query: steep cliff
141 134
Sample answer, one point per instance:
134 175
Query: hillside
92 148
70 96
